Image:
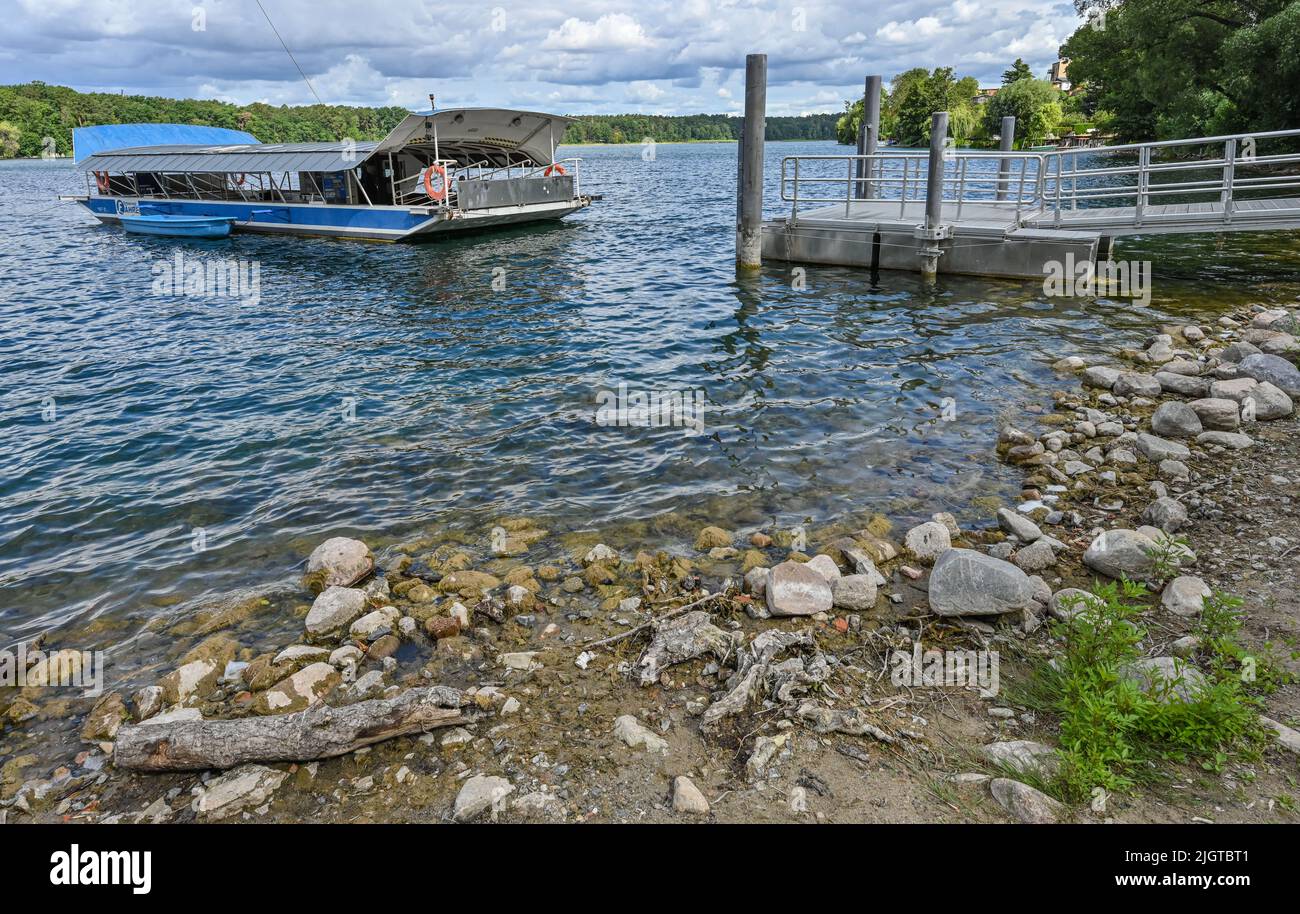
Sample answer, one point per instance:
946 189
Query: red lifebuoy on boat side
555 168
439 194
102 183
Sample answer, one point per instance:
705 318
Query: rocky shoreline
743 676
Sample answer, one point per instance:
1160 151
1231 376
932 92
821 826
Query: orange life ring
441 193
553 169
102 182
239 181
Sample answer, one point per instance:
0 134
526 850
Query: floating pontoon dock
1012 213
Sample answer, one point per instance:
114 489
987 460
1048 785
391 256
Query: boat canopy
232 159
492 136
89 141
497 136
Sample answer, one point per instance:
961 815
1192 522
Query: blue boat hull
363 223
178 226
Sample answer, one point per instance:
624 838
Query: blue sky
572 57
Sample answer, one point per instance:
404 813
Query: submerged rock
338 562
334 609
969 583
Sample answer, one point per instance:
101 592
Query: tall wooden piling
933 230
1005 144
749 235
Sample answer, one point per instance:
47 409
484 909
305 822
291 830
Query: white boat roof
497 136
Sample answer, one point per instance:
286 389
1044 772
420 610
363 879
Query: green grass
1116 735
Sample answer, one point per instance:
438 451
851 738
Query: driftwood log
318 732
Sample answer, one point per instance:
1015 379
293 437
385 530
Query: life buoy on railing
435 193
102 183
239 179
552 169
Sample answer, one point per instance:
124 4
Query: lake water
383 391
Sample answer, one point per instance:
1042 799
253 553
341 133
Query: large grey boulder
1235 389
797 590
481 794
1156 449
1217 413
1266 401
1184 385
1175 419
1121 554
1274 369
969 583
334 609
1134 384
1100 376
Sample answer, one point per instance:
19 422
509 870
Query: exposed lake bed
828 419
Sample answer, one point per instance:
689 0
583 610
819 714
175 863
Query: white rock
334 609
796 590
481 794
1185 596
825 566
687 798
928 541
630 730
245 787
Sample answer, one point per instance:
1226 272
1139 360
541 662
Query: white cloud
617 31
585 56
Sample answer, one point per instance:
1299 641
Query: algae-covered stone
299 690
243 788
710 538
197 678
104 719
338 562
468 583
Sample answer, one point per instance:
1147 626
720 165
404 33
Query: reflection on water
383 390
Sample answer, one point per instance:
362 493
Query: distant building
1059 74
985 94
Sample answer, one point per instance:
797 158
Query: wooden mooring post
749 233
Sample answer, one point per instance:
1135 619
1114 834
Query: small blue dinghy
178 226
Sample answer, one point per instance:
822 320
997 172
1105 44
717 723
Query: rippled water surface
133 422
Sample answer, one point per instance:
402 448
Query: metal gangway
1242 182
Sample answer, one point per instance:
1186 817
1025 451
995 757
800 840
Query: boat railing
411 190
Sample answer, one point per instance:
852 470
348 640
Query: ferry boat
447 171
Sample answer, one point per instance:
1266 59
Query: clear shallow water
176 412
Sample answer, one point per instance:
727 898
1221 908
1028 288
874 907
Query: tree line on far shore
33 111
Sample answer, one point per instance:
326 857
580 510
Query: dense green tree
1173 68
1034 103
9 136
1018 71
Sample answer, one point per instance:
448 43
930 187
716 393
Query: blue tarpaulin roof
87 141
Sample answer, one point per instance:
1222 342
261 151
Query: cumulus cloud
581 56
